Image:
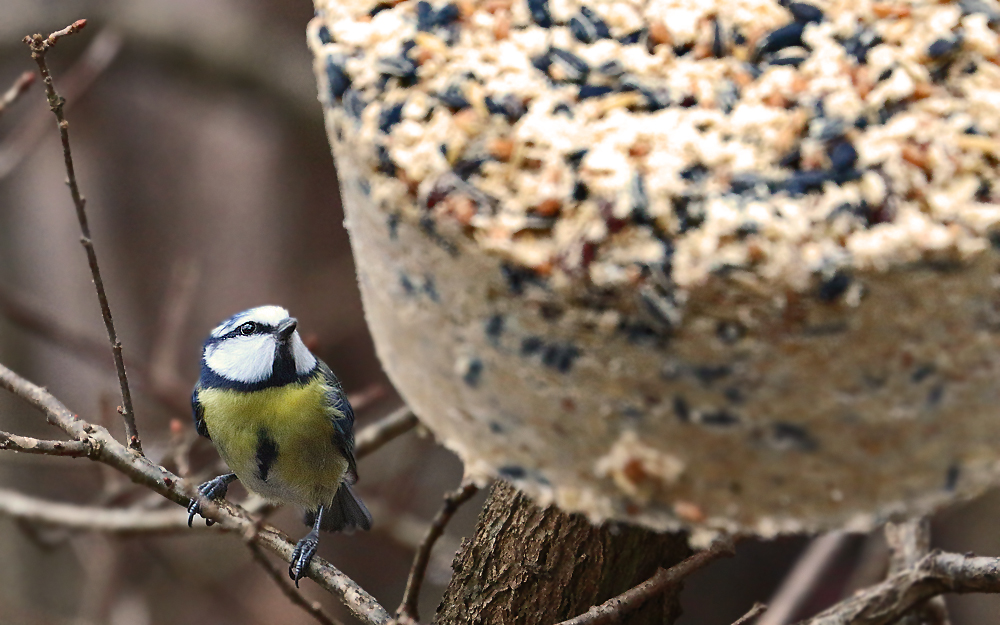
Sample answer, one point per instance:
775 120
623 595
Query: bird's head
257 348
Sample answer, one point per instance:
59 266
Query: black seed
580 191
792 160
551 312
563 109
794 436
695 173
922 372
324 35
804 182
574 68
467 167
494 328
990 10
885 74
640 201
792 61
683 49
743 183
518 278
389 117
951 477
861 122
827 128
593 91
431 289
709 374
429 227
540 12
689 211
681 409
843 156
859 45
805 13
599 25
747 228
729 332
575 158
446 15
632 37
425 16
560 357
833 287
473 372
510 106
612 68
784 37
385 163
392 221
889 110
407 284
531 345
399 66
733 394
378 8
337 77
453 98
718 42
513 472
365 187
942 48
721 418
588 27
495 427
727 96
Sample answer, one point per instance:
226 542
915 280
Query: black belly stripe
267 453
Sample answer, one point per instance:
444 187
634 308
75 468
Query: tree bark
534 566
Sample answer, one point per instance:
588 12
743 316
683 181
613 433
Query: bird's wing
342 418
198 411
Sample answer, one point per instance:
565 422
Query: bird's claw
213 489
305 549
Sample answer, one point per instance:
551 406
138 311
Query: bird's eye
248 328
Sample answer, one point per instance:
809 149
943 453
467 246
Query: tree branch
313 609
935 574
92 518
399 422
754 612
407 611
228 517
20 85
908 542
615 609
27 445
39 48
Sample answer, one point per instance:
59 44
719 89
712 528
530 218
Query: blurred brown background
200 146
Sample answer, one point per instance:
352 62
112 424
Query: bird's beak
286 327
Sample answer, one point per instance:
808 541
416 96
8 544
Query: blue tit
281 421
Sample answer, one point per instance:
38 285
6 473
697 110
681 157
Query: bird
281 421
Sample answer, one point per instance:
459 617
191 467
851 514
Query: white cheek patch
246 359
304 360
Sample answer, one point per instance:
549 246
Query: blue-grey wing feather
342 418
198 412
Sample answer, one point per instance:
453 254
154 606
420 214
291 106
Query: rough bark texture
528 565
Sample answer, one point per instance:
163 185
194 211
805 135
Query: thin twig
312 608
935 574
39 48
28 445
92 518
614 610
757 609
801 581
407 611
374 436
231 518
908 542
20 85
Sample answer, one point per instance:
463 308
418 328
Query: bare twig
614 610
39 48
139 469
908 542
20 85
92 518
312 608
27 445
374 436
103 49
801 581
407 611
935 574
754 612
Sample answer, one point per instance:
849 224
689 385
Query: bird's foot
213 489
305 549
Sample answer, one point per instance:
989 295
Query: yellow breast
298 461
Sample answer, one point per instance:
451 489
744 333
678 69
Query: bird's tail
345 513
